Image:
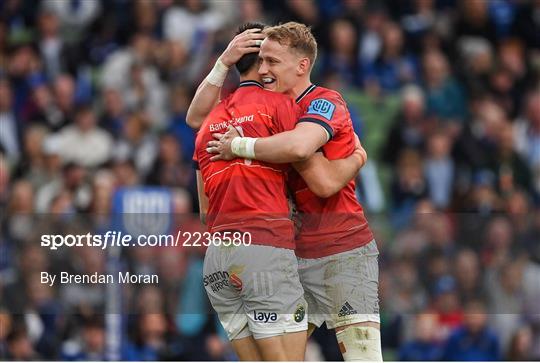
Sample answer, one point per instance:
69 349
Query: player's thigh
316 291
344 286
295 345
246 348
272 294
225 299
354 279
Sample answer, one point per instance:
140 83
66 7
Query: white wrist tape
218 74
244 147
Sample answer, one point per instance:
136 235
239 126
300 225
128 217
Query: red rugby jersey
336 224
248 195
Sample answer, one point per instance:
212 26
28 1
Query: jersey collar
250 83
306 91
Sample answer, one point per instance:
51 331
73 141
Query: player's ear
303 66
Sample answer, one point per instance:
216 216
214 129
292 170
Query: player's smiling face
279 66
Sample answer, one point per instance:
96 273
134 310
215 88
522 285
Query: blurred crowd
444 94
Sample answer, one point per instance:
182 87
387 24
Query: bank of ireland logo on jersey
300 313
321 107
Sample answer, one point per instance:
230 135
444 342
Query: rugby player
256 289
338 257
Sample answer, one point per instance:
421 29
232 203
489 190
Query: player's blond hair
295 35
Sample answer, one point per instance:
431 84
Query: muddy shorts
342 289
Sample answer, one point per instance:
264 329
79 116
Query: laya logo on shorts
264 317
321 107
346 309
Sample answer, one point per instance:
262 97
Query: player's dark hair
247 61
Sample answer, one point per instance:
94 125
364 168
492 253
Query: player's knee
360 343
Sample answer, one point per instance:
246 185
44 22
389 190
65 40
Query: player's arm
326 177
301 140
286 147
207 94
203 199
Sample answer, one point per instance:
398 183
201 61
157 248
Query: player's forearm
342 171
205 99
326 177
207 95
286 147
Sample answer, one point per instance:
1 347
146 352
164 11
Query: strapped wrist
244 147
218 74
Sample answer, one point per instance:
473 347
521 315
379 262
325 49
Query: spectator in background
10 135
191 23
146 92
22 63
498 243
89 344
184 134
477 61
527 136
474 340
75 16
84 298
446 306
444 96
408 187
478 143
504 286
439 169
528 26
43 108
64 95
19 346
467 270
114 115
520 348
424 346
136 143
511 171
409 129
341 59
371 41
474 20
51 43
149 341
19 211
393 68
33 167
117 67
169 168
85 143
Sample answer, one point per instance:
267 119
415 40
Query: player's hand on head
222 145
244 43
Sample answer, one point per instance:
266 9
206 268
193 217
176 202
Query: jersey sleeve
328 112
287 115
